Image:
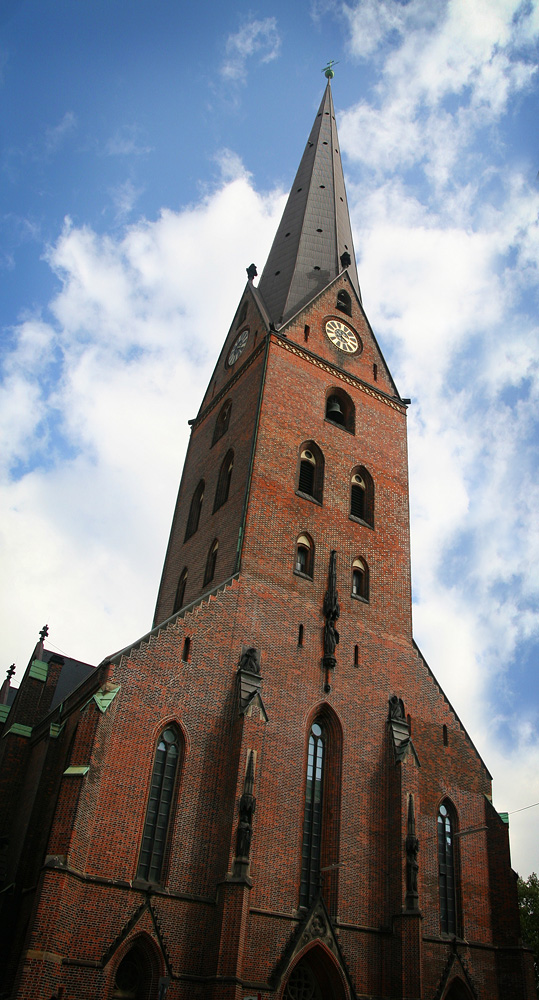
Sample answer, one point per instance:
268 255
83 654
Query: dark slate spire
315 228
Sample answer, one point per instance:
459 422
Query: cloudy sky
146 150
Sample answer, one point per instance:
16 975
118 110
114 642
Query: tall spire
315 229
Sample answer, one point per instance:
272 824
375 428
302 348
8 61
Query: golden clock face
238 347
342 336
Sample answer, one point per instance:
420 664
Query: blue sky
146 151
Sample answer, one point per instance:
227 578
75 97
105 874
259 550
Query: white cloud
96 403
254 38
465 52
448 230
55 135
127 142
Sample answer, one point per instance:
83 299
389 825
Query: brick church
268 795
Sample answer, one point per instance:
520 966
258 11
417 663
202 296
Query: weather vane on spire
328 70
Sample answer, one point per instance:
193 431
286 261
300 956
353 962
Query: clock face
342 336
238 347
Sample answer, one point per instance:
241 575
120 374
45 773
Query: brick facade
217 924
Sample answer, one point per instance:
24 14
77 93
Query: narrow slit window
211 563
312 823
300 635
180 592
223 482
222 422
356 655
446 870
194 510
186 649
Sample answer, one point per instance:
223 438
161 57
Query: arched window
304 562
194 510
136 973
223 483
360 579
344 302
156 824
210 563
447 868
180 591
243 314
310 477
312 824
223 419
362 496
340 409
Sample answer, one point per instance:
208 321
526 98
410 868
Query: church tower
269 795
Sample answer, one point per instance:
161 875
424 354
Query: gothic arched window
312 824
209 572
156 824
194 510
304 562
310 481
447 868
344 302
360 579
362 496
223 483
243 313
223 419
180 591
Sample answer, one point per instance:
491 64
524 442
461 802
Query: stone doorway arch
458 991
137 973
315 977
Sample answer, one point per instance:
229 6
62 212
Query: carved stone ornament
331 611
247 808
250 660
412 850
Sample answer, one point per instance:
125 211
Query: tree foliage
528 901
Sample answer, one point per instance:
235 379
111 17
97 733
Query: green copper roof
315 228
19 730
39 670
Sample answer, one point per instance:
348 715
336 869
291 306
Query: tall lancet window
154 837
446 869
312 825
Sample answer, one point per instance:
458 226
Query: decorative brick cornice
326 366
231 382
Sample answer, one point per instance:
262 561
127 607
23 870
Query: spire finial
44 633
11 671
328 70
